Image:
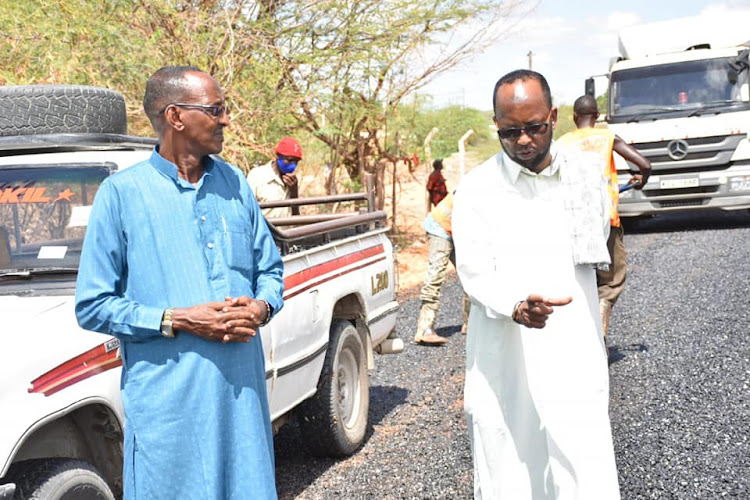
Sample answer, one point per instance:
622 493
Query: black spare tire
61 109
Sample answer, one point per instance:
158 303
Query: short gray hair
166 85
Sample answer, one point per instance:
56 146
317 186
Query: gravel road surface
680 384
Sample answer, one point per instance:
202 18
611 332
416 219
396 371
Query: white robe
536 399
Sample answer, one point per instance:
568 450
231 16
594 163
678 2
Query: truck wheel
334 420
58 479
61 109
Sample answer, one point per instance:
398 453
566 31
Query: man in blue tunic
179 264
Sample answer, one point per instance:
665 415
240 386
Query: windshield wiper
29 272
641 116
710 107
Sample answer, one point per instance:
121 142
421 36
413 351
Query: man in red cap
276 180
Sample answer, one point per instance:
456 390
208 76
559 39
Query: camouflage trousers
441 254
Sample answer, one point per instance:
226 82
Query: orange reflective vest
442 213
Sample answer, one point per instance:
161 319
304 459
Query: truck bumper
724 190
392 345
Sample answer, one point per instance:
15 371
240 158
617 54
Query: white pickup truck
61 420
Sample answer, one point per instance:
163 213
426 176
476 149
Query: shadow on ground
618 353
449 331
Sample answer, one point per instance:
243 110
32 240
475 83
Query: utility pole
531 56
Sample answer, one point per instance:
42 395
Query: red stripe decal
97 360
313 272
329 278
106 356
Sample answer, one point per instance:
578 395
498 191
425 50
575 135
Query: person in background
530 226
438 227
178 264
610 282
436 184
276 180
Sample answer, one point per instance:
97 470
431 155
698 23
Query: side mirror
737 66
589 87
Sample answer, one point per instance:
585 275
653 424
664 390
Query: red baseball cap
289 147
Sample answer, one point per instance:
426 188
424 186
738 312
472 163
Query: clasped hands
235 320
534 311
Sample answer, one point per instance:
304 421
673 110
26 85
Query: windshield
43 214
679 88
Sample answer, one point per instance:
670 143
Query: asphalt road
680 384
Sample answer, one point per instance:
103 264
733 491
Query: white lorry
679 94
61 419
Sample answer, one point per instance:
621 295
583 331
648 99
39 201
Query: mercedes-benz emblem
677 149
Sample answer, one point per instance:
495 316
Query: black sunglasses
213 110
530 130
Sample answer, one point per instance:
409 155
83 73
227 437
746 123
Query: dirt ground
407 234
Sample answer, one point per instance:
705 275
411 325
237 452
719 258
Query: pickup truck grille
700 154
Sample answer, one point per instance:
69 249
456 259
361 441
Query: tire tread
318 425
60 109
34 478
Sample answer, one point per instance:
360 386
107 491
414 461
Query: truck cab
685 105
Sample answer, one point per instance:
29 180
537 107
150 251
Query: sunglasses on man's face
213 110
532 130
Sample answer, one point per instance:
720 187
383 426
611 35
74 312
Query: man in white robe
530 226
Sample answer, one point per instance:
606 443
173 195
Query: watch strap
269 312
166 323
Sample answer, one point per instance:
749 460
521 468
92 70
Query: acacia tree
351 64
335 69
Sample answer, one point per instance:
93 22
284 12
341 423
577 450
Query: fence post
462 151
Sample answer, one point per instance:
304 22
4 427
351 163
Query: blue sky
570 41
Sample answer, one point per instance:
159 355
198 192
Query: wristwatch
166 323
269 312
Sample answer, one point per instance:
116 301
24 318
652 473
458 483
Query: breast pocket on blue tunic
239 245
